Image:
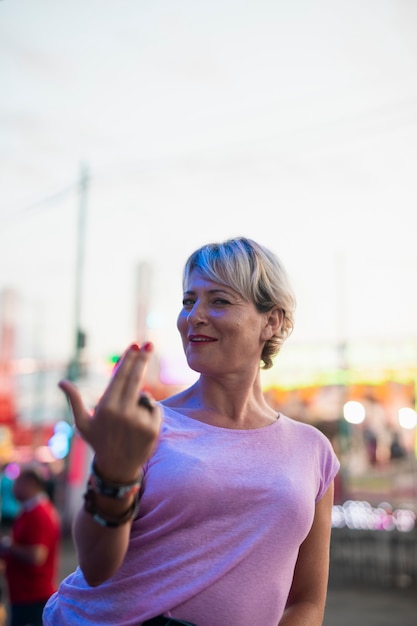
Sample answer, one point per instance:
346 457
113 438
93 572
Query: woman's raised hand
121 431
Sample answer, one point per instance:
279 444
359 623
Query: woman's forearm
100 550
302 614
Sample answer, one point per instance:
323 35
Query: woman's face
221 331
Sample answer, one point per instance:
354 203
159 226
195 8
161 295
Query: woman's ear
274 319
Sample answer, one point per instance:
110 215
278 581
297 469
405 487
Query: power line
40 204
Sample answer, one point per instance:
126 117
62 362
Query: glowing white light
64 428
407 418
354 412
360 515
59 443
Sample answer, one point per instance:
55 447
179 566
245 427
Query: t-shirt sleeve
329 466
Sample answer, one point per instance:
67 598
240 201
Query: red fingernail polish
135 347
148 346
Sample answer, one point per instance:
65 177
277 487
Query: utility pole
74 368
143 294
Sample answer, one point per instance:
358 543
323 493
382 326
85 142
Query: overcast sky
293 123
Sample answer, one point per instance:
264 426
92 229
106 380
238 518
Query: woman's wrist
111 488
111 504
111 475
110 513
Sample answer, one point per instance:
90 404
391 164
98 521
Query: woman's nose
196 315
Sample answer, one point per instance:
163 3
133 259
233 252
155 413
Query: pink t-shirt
221 519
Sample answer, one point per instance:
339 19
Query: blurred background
132 133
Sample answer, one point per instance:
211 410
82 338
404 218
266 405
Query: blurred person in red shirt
31 551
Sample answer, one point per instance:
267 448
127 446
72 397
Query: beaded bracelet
109 489
100 518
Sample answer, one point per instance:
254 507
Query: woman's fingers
136 374
146 402
128 375
79 411
122 430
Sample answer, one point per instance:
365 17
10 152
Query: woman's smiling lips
200 339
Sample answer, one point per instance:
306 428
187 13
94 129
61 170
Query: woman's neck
225 404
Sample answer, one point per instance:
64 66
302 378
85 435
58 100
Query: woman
234 516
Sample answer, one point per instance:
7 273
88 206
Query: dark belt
160 620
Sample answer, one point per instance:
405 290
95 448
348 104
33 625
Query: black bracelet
99 516
109 489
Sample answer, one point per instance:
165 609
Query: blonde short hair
256 273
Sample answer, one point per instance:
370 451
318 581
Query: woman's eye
187 302
220 301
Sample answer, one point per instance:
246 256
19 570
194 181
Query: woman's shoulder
177 401
313 443
174 408
303 429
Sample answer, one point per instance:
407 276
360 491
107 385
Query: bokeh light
361 515
354 412
59 443
407 418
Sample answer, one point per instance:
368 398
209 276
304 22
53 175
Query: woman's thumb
79 412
